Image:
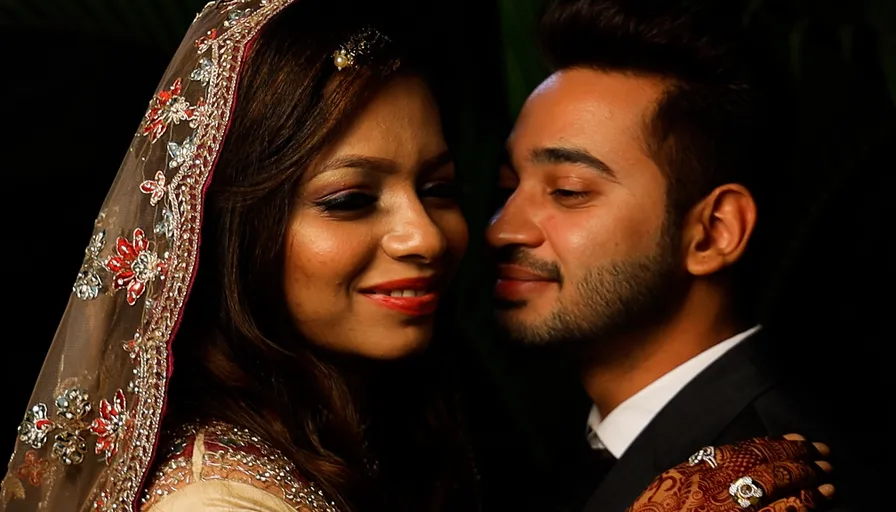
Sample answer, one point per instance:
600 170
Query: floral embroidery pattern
134 266
234 16
109 425
33 469
88 284
155 188
181 153
35 427
132 346
69 445
205 42
72 408
167 107
61 432
165 224
203 73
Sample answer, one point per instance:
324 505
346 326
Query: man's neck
656 352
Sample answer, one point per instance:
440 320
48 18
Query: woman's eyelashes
444 189
355 201
351 201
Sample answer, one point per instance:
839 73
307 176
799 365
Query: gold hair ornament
360 45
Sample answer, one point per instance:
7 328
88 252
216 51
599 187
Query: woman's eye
347 202
440 190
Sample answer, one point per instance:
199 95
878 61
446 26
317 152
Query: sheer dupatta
89 436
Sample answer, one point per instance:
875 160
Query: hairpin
359 45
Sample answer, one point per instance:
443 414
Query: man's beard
611 300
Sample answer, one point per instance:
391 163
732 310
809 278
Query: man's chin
523 329
512 316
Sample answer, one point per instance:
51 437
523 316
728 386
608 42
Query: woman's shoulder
216 466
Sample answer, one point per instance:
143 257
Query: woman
304 379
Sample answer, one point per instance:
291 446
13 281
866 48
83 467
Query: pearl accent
341 59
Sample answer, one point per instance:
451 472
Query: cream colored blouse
218 467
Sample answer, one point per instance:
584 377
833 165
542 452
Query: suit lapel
693 418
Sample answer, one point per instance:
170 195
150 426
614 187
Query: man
632 201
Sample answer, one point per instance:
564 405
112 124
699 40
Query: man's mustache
515 255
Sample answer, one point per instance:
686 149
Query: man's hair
712 124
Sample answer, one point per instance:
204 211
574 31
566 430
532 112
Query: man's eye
569 194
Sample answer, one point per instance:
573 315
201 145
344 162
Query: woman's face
376 230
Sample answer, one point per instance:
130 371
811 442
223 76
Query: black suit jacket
749 392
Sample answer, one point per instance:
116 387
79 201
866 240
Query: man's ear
718 228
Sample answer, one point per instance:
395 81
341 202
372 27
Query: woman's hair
239 358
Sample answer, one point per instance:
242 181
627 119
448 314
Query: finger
786 505
822 448
746 454
791 504
781 479
803 501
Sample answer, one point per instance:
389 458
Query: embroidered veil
88 438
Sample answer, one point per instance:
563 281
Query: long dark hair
237 356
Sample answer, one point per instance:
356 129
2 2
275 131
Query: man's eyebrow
571 155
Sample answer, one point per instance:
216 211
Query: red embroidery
167 107
33 468
134 265
109 425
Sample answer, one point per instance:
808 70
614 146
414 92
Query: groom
632 180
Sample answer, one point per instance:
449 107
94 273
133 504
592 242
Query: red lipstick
416 298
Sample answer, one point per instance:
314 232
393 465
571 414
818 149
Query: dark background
77 76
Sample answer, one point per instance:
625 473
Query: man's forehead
582 107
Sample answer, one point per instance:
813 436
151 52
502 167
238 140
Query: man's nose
514 224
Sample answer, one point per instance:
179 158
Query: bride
252 327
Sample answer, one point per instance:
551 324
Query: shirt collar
621 427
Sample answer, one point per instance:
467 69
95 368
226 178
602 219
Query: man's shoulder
793 403
797 406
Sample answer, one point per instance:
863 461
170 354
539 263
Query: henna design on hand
783 469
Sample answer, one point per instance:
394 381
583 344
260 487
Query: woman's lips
415 306
412 296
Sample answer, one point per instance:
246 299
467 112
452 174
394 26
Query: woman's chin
397 349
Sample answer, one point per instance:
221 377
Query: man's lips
517 283
517 273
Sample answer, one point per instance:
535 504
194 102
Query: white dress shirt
618 430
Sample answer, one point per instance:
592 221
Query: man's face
583 243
